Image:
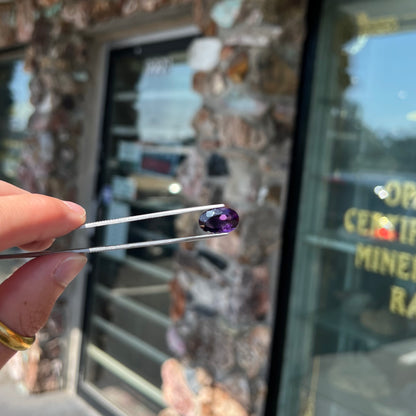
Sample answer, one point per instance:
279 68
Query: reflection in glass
15 110
166 103
353 306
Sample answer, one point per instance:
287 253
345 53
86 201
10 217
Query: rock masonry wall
246 69
247 73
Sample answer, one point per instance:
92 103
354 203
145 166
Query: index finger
26 218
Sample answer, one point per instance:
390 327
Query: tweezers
142 217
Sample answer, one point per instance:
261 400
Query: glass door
147 133
351 332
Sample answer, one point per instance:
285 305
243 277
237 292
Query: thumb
27 297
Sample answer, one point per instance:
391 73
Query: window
351 331
15 110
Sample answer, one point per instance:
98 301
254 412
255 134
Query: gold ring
14 341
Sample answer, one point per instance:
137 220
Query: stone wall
247 73
246 70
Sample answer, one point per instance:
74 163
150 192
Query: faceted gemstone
219 220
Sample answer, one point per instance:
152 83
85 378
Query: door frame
144 29
284 273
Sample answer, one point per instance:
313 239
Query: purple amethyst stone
219 220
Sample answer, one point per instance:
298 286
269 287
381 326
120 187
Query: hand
32 222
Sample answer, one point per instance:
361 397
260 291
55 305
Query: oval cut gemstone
219 220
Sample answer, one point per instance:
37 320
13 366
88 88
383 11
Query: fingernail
69 268
75 207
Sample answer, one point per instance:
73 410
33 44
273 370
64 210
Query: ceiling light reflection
175 188
381 192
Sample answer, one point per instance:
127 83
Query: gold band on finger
14 341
